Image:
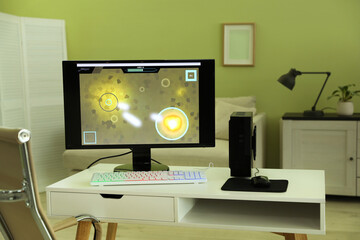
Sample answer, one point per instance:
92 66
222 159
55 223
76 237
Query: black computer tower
242 144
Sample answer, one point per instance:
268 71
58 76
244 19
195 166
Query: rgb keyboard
151 177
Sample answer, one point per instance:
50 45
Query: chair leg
69 222
111 231
83 230
98 230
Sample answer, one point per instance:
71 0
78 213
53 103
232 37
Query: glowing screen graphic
128 106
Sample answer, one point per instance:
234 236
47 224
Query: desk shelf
253 215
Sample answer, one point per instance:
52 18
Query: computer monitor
139 105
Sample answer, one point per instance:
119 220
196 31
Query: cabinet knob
351 158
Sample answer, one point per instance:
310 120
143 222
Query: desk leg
83 230
111 231
293 236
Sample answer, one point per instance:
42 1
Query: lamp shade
288 79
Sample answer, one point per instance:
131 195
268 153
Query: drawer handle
351 158
113 196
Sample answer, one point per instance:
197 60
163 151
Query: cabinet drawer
358 187
125 207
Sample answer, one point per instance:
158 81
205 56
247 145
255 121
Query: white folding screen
31 88
12 98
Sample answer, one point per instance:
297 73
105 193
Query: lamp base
315 113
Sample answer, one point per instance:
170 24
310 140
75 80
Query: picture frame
239 44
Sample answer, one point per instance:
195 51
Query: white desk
298 211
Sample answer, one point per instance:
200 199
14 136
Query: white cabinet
328 143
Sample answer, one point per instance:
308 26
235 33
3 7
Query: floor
342 223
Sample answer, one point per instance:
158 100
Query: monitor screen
139 104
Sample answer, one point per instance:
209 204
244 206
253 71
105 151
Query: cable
211 165
119 155
257 171
156 161
95 232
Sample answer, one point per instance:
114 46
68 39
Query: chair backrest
21 215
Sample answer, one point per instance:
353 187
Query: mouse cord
257 171
211 164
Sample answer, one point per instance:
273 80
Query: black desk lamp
288 80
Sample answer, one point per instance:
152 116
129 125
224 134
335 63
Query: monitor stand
141 162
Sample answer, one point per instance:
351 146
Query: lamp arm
328 75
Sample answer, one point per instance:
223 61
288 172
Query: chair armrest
12 195
72 221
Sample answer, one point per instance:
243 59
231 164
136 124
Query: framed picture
239 44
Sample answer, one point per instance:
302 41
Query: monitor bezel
71 90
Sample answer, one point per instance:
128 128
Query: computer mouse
260 181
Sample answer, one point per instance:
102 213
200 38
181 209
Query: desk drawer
124 207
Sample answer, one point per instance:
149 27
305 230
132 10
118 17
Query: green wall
321 35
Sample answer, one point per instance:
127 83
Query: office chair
21 215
